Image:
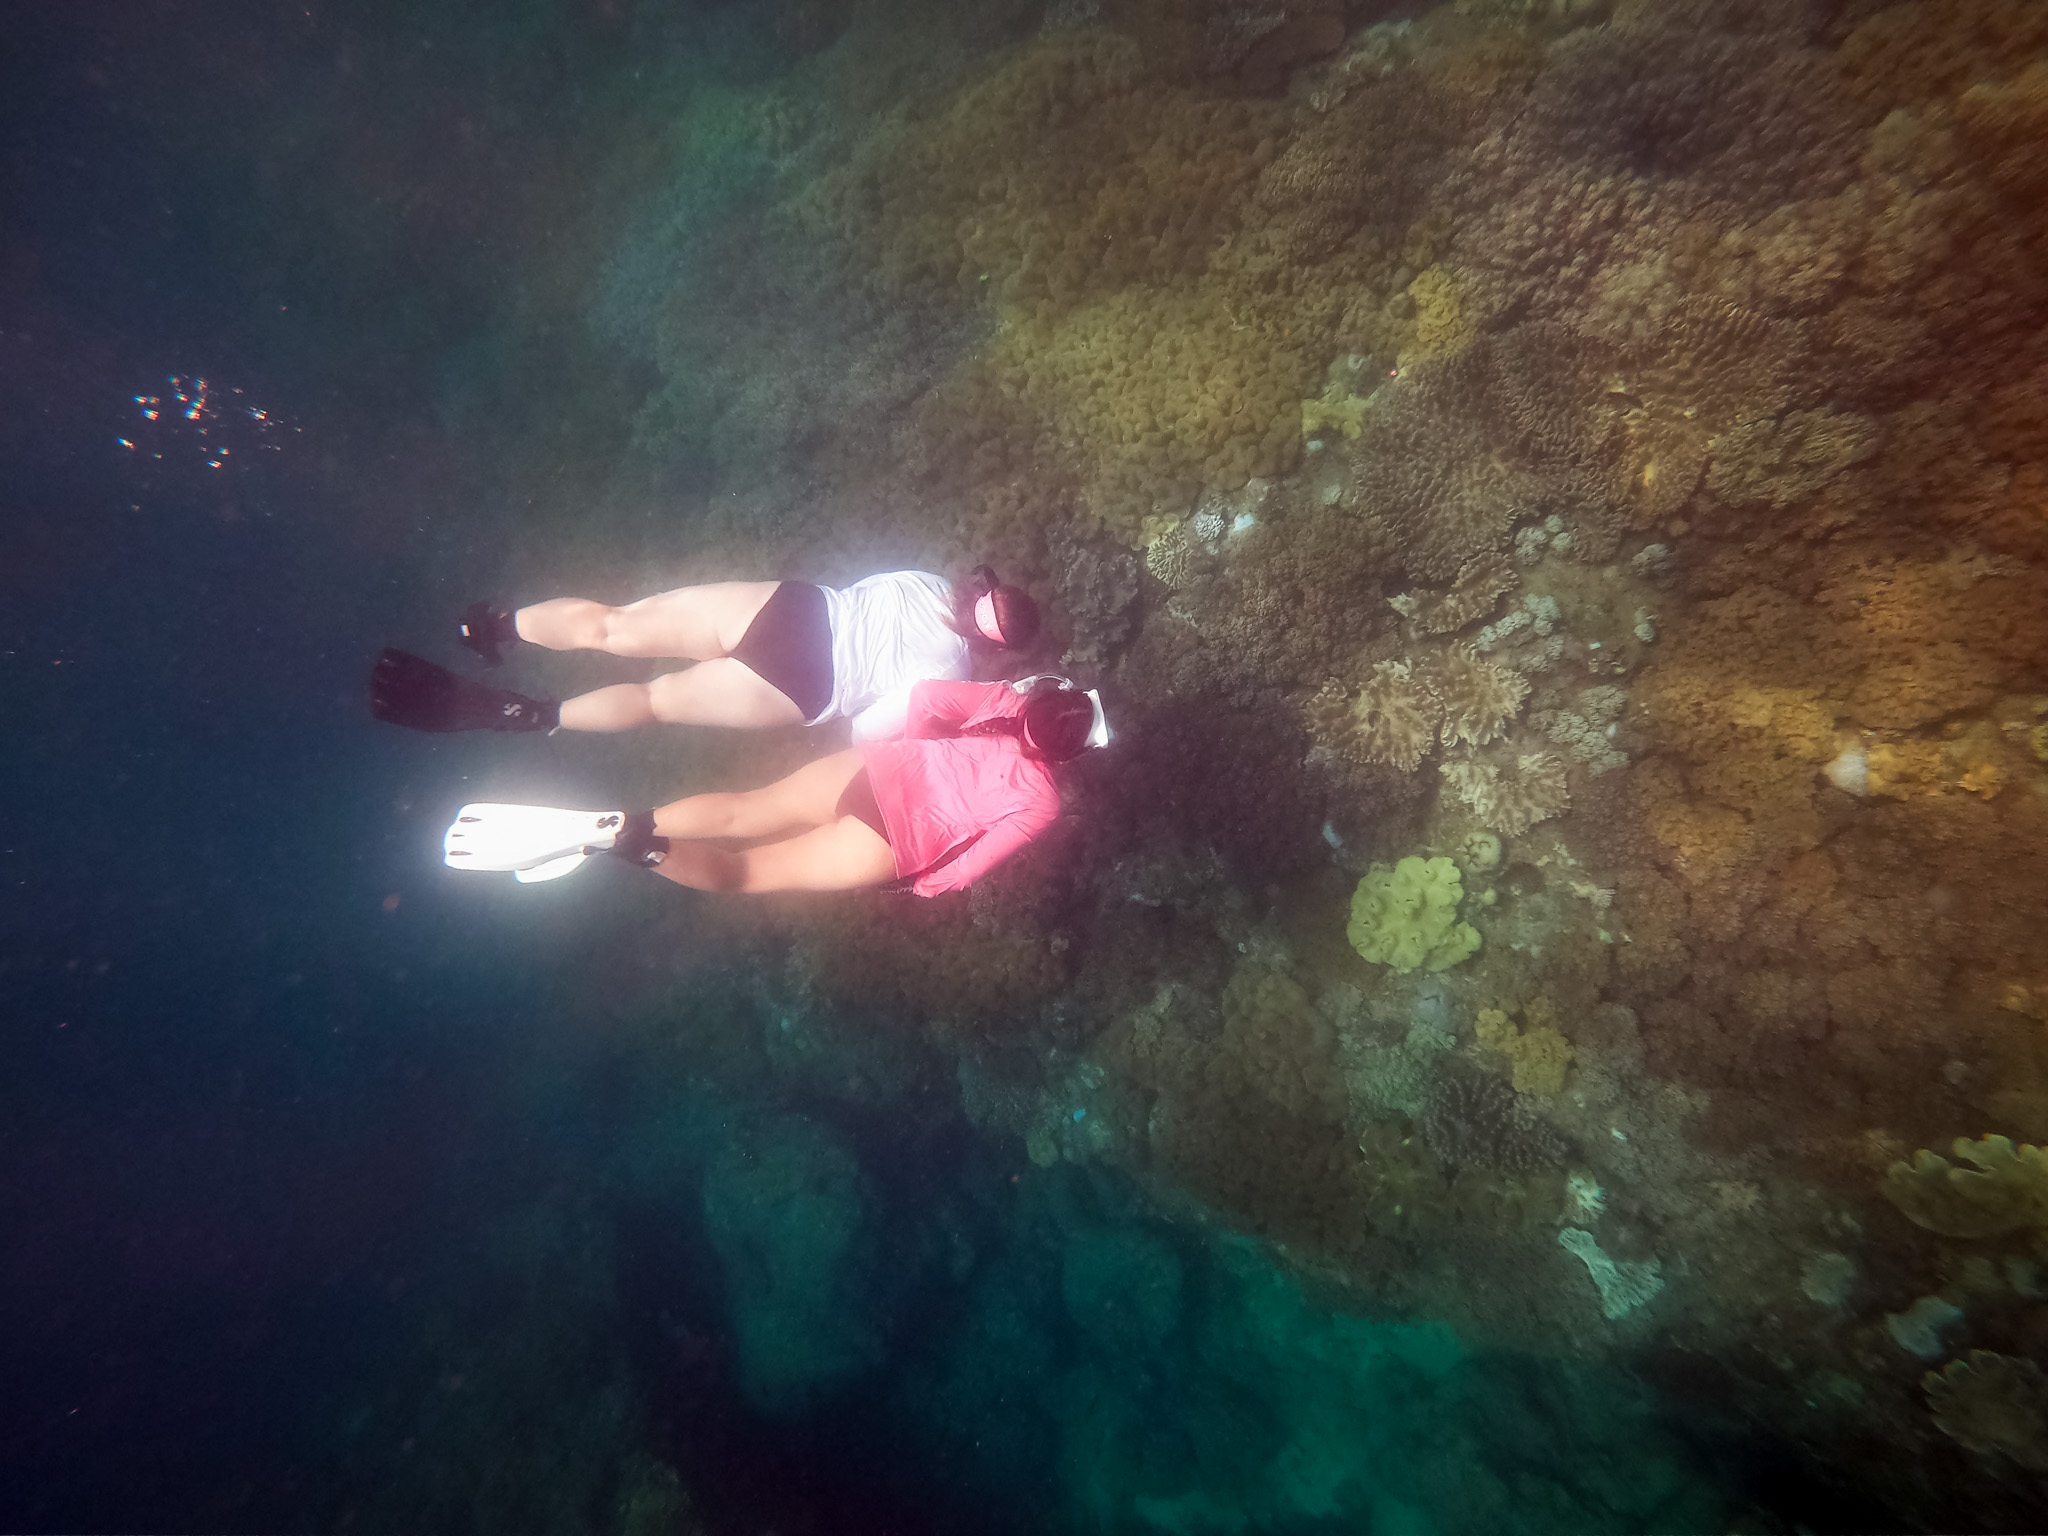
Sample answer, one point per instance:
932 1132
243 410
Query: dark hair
1016 610
1052 727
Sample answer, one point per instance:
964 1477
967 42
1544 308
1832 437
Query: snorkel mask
1098 730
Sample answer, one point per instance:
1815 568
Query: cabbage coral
1994 1404
1478 698
1393 719
1535 791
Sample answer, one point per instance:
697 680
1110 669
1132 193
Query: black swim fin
485 629
411 691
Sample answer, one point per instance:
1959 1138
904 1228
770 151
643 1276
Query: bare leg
805 799
845 856
828 852
717 692
694 622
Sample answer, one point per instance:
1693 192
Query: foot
637 842
484 629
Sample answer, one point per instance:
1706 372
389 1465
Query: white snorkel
1098 729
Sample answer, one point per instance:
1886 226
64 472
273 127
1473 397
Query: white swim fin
532 842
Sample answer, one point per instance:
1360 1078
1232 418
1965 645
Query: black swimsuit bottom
789 645
858 799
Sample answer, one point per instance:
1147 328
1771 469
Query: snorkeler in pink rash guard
767 653
969 783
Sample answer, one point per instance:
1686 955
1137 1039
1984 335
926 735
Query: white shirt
889 632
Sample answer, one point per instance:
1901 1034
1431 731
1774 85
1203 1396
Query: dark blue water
340 1195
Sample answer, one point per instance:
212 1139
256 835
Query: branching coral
1996 1405
1534 792
1470 1117
2005 1188
1478 698
1588 731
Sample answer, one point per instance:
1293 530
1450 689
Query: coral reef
1639 408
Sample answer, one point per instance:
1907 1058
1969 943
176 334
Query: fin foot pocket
411 691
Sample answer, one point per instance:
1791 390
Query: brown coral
1393 718
1534 792
1538 1055
1478 698
1994 1404
1470 1117
1781 461
1472 596
1462 444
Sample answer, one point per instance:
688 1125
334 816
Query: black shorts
858 799
789 645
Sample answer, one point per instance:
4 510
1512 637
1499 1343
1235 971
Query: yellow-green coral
2005 1190
1336 407
1539 1054
1406 916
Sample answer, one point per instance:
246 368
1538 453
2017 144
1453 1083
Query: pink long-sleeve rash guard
976 798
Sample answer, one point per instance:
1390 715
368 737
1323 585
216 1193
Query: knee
669 699
608 628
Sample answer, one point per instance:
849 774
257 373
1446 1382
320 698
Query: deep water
342 1192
